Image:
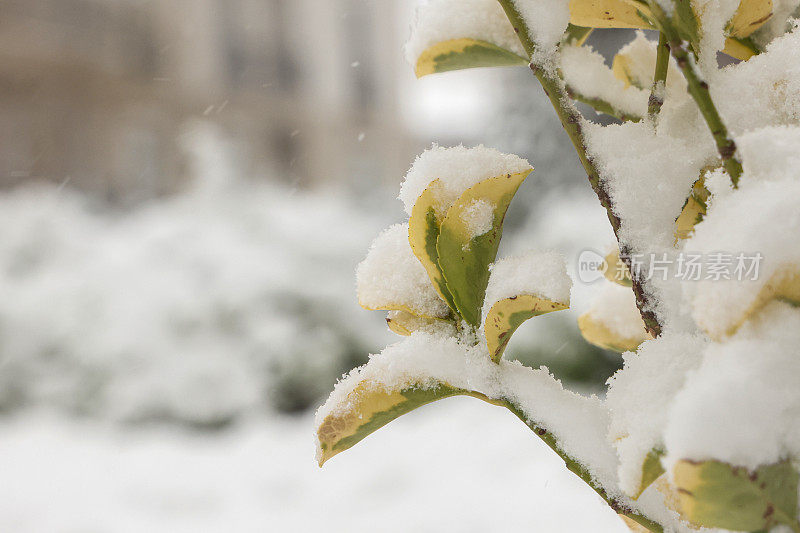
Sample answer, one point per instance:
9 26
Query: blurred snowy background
185 190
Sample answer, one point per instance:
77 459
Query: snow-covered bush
196 309
700 183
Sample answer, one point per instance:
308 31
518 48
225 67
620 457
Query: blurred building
98 92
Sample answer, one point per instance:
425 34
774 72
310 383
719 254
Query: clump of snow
741 405
761 217
762 91
615 308
770 153
457 168
714 17
478 217
647 183
424 360
586 73
547 21
391 275
638 394
780 22
442 20
542 274
640 62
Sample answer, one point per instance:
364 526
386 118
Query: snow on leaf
508 314
614 322
464 257
520 288
473 24
391 278
464 53
404 323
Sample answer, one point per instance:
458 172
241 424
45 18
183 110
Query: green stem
571 120
602 106
576 468
698 89
659 77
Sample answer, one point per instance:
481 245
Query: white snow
478 217
426 471
770 153
436 21
761 217
458 168
763 91
547 21
640 57
615 308
714 16
542 274
586 73
391 275
647 183
425 359
741 405
638 394
196 308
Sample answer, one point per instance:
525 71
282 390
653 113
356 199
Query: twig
571 120
698 89
659 78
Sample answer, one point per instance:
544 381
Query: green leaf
716 494
576 35
607 14
651 470
423 232
508 314
597 333
458 54
464 258
783 286
369 407
616 270
404 323
694 209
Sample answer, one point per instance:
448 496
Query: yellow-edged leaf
784 286
716 494
423 231
458 54
741 49
693 211
369 407
404 323
623 70
506 315
615 269
651 470
750 15
464 257
606 14
576 35
599 334
633 526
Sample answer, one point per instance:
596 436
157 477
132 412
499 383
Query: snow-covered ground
456 466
